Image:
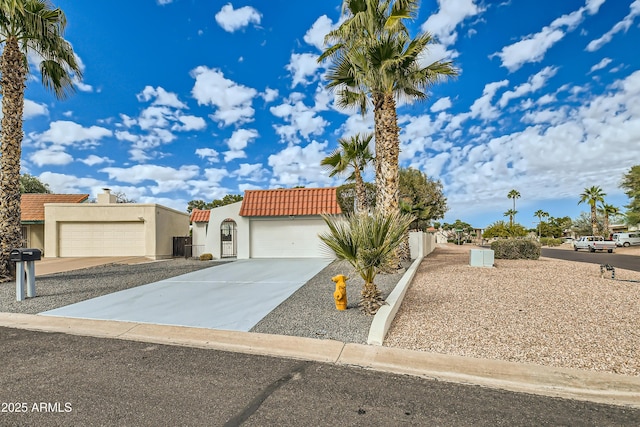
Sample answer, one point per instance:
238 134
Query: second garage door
297 238
89 239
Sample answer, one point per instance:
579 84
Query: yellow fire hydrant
340 294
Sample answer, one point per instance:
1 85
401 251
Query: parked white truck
594 243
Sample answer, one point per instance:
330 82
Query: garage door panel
297 238
78 239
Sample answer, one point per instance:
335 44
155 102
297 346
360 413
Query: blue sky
196 99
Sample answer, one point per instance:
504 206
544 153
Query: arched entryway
228 241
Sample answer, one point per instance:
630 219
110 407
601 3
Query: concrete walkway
233 296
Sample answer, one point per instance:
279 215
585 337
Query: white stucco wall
217 216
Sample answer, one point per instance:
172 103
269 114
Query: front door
228 243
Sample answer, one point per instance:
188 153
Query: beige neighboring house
32 214
107 228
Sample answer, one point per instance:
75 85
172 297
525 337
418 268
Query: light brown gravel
547 312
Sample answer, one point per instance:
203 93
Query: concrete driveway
233 296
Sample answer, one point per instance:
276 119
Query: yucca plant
368 243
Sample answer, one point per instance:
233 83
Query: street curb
568 383
592 386
385 315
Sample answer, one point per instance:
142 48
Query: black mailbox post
25 254
24 259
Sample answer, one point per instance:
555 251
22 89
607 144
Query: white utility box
481 258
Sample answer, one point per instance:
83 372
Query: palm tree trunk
387 168
387 152
361 194
594 220
12 80
371 299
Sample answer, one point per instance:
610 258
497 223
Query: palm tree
353 155
592 196
513 194
607 212
374 61
511 213
368 243
26 25
540 214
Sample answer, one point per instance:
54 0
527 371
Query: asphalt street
627 262
52 379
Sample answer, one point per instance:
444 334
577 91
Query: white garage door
83 239
297 238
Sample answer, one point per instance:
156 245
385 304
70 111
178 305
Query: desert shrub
206 257
516 249
550 241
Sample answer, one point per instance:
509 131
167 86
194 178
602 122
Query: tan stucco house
107 228
32 214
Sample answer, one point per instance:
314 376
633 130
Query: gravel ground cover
311 311
547 312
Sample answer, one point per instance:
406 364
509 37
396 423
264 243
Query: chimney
106 198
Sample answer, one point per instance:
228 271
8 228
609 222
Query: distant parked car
626 239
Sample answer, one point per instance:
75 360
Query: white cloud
593 6
250 172
33 109
600 65
315 35
301 119
160 97
54 155
297 165
231 19
482 106
301 66
155 117
93 160
208 153
69 184
238 142
623 25
160 174
241 138
65 132
189 123
530 49
535 82
441 104
231 100
451 13
533 47
269 95
547 158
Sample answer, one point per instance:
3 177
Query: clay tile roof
198 215
32 204
290 202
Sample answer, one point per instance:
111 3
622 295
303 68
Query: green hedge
550 241
515 249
